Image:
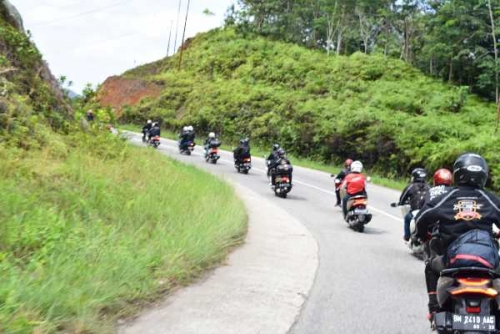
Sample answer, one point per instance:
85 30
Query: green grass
89 233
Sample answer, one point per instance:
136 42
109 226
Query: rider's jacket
414 194
155 131
436 191
458 211
355 183
147 127
273 156
342 174
281 161
242 151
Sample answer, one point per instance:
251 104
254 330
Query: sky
90 40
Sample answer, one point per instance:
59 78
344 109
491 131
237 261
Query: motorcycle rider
184 137
442 180
354 184
273 156
145 130
242 151
281 159
340 177
414 194
210 142
155 130
191 134
467 206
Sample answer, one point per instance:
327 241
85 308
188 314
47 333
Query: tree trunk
339 41
493 36
450 75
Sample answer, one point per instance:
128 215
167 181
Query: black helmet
281 152
418 175
276 147
470 169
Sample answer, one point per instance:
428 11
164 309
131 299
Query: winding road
365 282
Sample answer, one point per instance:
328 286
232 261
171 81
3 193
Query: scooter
420 250
358 214
154 142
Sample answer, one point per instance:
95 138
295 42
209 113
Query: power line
98 42
92 11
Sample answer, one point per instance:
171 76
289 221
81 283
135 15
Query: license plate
482 323
360 211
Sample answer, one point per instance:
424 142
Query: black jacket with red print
458 211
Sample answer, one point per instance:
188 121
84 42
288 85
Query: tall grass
89 232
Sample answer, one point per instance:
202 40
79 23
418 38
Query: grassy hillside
90 227
89 231
379 110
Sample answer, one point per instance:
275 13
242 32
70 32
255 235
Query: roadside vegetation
90 231
91 228
379 110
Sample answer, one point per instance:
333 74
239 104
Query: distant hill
379 110
72 94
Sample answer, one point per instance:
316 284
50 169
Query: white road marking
299 182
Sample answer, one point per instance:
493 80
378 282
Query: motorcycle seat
358 197
452 272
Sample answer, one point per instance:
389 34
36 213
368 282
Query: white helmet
356 166
190 128
149 121
211 135
185 128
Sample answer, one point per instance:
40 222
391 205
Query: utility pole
184 34
177 26
170 36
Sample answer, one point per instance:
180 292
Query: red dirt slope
118 92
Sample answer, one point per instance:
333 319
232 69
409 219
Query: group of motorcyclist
446 212
187 136
449 213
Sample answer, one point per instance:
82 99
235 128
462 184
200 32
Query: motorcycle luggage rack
452 272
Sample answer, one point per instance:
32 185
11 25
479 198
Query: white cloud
92 39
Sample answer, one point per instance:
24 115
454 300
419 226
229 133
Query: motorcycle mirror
394 205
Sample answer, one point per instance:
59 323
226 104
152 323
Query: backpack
475 248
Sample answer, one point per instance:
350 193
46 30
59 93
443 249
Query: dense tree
455 40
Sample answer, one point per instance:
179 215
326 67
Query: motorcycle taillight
471 309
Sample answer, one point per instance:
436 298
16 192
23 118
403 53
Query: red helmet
348 163
442 177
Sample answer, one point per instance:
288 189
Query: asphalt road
366 282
